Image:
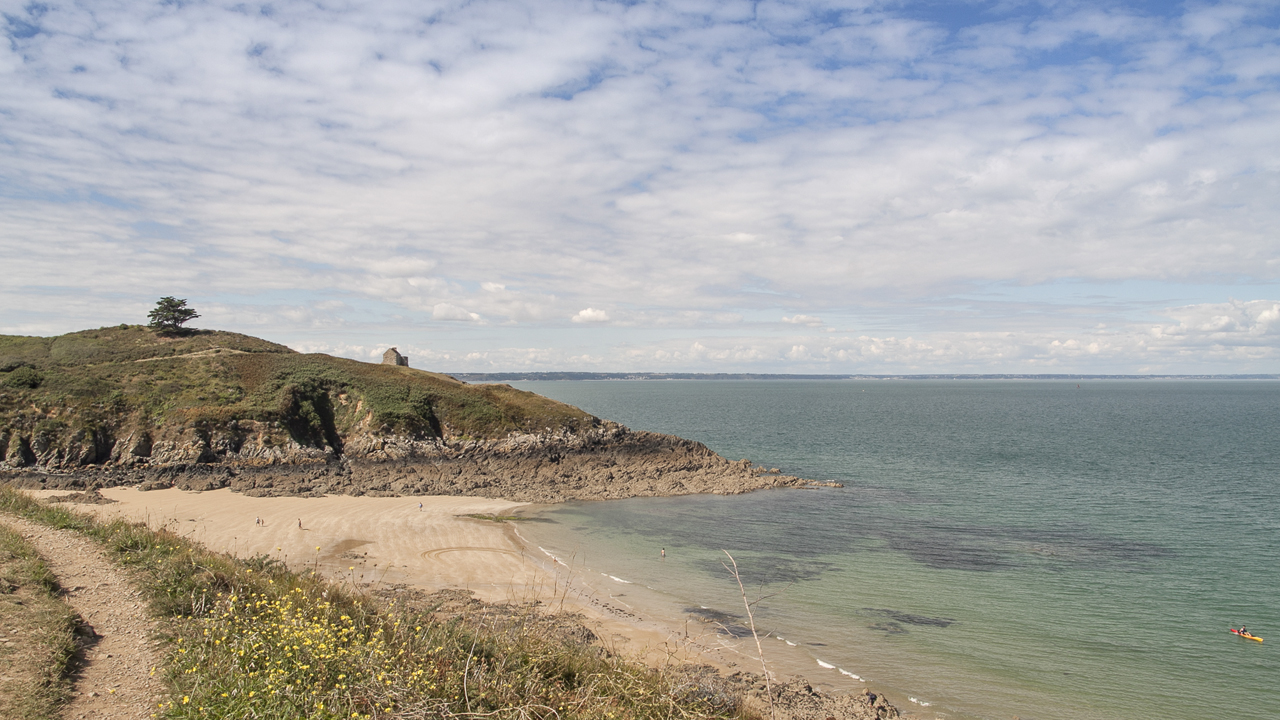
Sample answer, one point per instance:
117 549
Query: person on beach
299 523
664 552
419 507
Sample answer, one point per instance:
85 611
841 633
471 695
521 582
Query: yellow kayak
1246 635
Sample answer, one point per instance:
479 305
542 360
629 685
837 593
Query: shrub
23 377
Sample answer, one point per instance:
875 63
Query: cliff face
124 406
609 462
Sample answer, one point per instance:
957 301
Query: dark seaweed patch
1084 548
726 623
990 548
712 615
841 527
909 618
891 628
946 549
770 570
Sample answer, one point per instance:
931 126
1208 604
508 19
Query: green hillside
103 381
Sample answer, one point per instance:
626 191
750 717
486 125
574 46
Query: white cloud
1213 339
591 315
1232 322
446 311
506 164
803 320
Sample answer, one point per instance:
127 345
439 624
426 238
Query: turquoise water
1000 548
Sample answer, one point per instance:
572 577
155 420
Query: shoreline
429 543
730 647
372 542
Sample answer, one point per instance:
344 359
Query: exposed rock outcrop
795 699
606 462
214 409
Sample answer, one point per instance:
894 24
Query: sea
1032 549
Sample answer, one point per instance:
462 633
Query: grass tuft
38 630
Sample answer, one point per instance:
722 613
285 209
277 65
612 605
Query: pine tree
170 314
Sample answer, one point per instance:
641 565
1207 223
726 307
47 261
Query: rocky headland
608 462
207 410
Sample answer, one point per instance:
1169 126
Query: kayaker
1245 631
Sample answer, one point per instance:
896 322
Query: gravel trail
114 679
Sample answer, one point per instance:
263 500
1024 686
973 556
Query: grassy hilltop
84 391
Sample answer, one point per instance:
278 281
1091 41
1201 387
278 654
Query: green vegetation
23 377
170 314
108 382
38 633
252 639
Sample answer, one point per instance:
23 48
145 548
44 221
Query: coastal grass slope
252 638
68 400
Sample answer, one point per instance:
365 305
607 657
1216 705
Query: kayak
1251 637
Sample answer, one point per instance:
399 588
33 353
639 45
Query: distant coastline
520 376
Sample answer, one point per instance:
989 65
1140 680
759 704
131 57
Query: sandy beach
424 542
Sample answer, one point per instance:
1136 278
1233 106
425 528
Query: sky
810 187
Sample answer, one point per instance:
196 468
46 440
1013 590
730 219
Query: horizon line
574 375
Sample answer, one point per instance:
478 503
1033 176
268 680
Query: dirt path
114 680
202 353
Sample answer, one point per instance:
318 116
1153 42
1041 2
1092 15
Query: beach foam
551 555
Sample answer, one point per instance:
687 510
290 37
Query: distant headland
521 376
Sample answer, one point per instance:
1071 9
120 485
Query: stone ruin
393 357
